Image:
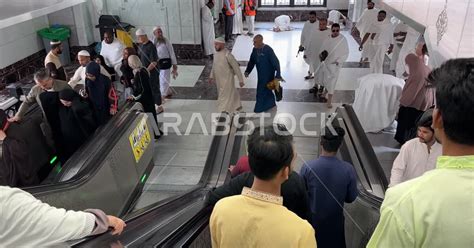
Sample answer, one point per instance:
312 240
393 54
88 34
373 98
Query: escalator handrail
213 165
91 155
365 155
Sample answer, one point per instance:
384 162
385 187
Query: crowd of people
428 182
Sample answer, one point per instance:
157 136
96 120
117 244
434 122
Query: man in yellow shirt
437 209
257 218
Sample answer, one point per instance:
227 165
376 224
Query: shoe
159 110
308 77
313 90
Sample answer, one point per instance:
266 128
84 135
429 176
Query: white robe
224 70
208 32
407 48
307 41
283 23
238 22
165 50
338 51
383 38
334 16
368 17
377 100
112 53
318 39
397 45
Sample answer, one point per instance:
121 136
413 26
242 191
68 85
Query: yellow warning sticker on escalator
140 139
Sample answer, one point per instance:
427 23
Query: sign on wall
140 139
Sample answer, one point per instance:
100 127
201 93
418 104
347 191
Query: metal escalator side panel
113 185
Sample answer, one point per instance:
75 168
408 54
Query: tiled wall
20 41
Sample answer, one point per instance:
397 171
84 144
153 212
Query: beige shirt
33 96
414 160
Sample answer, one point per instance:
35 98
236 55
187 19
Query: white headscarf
135 63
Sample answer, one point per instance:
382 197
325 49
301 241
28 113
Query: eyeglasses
335 30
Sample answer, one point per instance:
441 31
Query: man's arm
275 62
251 64
352 191
75 78
236 68
30 99
390 231
399 166
366 37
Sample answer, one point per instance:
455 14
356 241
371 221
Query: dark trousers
229 25
406 128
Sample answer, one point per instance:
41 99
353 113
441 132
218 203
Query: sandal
159 110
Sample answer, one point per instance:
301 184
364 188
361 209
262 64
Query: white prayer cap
84 53
55 42
219 40
140 32
156 28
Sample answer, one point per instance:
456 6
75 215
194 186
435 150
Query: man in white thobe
399 35
238 22
224 70
338 51
307 42
282 23
368 17
381 33
417 155
112 50
321 34
79 77
208 32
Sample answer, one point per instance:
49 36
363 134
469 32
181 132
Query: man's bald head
258 41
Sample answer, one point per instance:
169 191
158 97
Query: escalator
183 221
108 171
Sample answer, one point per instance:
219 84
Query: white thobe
307 36
377 100
208 32
283 23
317 42
238 22
414 160
334 16
407 48
338 51
383 38
79 76
165 50
368 17
401 27
112 54
28 222
224 70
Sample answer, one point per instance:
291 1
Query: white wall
20 40
337 4
180 19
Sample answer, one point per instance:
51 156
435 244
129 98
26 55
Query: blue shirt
330 182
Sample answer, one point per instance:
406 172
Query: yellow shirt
256 219
434 210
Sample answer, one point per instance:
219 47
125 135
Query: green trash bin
57 32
